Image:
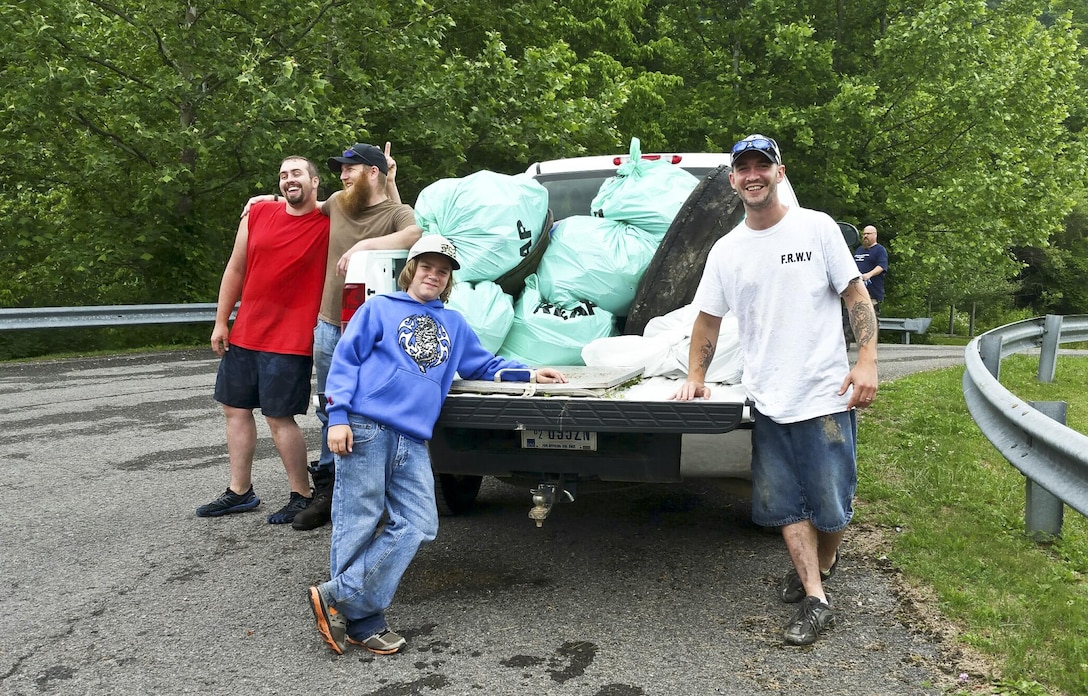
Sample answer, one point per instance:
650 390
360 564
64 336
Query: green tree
137 130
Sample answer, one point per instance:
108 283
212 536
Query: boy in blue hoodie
390 374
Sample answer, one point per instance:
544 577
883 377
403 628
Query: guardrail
1054 458
918 325
105 315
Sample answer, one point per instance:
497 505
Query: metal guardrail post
989 349
1048 357
1043 511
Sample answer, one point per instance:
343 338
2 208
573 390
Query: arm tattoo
863 321
706 354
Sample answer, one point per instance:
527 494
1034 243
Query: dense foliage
134 131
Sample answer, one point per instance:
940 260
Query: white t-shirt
783 284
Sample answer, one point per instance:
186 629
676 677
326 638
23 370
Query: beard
296 198
355 199
763 199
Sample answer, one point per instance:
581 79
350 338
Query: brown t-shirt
344 232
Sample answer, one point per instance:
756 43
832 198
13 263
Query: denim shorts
276 383
804 471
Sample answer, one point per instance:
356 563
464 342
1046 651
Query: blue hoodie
396 361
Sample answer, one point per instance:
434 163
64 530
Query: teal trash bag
645 193
493 220
488 310
596 260
547 334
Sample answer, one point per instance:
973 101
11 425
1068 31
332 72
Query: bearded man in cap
366 215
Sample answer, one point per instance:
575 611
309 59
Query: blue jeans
385 471
804 471
326 336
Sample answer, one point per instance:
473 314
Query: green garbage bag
493 220
488 310
547 334
645 193
596 260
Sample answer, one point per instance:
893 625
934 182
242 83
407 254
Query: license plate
559 439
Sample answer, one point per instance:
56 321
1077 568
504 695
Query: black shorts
276 383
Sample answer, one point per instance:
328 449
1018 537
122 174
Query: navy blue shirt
867 260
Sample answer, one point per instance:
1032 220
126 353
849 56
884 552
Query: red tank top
285 273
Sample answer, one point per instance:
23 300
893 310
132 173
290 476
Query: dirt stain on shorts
832 431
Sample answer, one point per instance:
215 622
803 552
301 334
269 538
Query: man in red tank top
277 270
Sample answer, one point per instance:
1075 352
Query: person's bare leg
291 445
241 443
828 548
811 550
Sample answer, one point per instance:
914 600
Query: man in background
872 261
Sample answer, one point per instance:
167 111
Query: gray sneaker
384 642
791 590
812 618
330 624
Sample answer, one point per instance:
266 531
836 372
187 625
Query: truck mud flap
673 274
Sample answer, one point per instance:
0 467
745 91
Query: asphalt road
113 586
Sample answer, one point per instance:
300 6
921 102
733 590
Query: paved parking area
112 586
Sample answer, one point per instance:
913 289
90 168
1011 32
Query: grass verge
925 468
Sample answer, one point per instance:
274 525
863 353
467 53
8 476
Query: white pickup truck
605 425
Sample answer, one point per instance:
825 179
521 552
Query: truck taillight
353 298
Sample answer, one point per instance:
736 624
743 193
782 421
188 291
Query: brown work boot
319 511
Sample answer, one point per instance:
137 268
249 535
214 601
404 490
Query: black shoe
228 503
813 617
287 513
319 511
792 590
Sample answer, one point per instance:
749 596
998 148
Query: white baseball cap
435 244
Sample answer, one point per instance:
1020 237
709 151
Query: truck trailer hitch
545 496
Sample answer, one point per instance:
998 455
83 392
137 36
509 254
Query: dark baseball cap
360 153
761 144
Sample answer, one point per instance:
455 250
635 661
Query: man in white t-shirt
782 272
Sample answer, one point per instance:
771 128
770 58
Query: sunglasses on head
762 144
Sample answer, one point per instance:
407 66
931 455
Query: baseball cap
360 153
761 144
435 244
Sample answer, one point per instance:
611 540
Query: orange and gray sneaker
330 624
384 642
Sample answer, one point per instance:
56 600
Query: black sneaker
319 511
228 503
791 590
287 513
813 617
